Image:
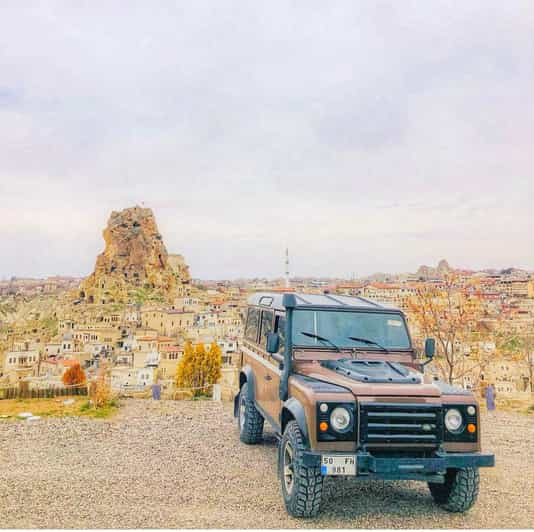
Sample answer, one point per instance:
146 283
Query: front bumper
431 469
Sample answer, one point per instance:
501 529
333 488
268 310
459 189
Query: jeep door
252 356
271 375
265 367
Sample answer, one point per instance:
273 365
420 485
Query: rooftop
170 349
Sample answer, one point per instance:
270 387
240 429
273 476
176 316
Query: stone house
133 378
167 322
52 349
20 364
170 357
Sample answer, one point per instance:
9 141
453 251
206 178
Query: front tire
249 420
460 490
302 485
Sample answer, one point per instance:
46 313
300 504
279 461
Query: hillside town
135 312
140 307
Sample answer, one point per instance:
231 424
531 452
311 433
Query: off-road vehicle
340 382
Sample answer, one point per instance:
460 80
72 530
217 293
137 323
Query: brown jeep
338 379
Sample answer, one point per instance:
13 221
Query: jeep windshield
379 331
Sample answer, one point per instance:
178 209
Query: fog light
323 426
323 407
471 427
471 410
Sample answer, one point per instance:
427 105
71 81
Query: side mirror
273 342
430 348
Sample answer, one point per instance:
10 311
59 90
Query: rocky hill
428 272
134 258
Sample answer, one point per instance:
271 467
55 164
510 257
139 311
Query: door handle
268 378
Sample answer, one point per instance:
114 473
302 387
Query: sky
365 136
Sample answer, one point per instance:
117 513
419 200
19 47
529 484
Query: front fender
293 409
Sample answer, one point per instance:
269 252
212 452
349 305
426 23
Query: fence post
217 396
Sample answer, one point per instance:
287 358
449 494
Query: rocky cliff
134 258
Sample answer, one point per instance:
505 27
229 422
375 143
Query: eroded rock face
179 267
134 257
428 272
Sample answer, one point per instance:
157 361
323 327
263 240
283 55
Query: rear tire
302 486
249 420
460 490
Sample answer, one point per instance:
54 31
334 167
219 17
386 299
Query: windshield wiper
321 339
368 342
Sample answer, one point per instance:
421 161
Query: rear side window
251 328
267 318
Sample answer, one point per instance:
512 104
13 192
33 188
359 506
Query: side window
251 329
267 318
281 330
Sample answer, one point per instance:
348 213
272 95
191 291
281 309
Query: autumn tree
451 316
198 367
100 389
185 369
74 375
214 363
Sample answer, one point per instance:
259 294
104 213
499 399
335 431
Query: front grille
402 425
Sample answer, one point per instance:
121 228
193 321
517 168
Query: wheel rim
289 470
242 408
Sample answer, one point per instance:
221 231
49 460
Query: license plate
338 465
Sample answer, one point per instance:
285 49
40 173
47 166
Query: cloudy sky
366 136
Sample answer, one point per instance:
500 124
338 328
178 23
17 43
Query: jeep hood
372 377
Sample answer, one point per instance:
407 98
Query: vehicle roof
274 300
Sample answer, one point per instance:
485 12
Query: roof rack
301 300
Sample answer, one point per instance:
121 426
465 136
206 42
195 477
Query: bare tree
451 316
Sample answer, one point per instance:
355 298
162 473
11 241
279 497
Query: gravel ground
180 465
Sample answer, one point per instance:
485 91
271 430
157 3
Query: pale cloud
366 137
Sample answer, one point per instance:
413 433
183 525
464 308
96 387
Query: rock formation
179 267
428 272
134 258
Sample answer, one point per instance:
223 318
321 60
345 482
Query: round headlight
340 419
453 420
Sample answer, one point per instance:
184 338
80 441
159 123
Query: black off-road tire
460 490
249 420
304 498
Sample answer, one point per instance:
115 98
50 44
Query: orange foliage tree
74 375
198 367
100 389
185 369
214 359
